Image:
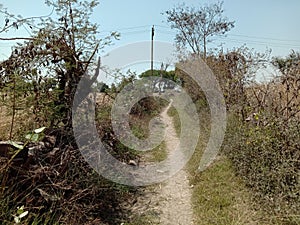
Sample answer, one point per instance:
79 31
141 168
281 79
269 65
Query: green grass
176 121
149 218
140 128
264 162
157 154
219 196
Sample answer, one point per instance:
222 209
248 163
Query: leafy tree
163 73
160 83
61 50
47 68
196 26
289 64
288 87
102 87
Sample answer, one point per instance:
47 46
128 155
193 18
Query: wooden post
152 40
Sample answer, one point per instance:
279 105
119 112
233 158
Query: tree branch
17 38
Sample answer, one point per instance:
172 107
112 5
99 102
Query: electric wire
246 39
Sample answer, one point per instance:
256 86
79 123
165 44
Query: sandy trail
170 201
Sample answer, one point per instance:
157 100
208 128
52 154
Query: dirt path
169 202
175 194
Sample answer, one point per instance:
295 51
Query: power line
168 31
171 31
260 42
137 27
279 42
247 41
127 28
264 38
135 32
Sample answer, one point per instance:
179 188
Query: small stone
132 163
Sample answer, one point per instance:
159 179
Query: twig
17 38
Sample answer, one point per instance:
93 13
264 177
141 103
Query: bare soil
168 203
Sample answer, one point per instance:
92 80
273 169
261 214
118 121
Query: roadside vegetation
255 179
44 179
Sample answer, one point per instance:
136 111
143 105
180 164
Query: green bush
267 156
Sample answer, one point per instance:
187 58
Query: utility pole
152 43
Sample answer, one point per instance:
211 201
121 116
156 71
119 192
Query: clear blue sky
259 23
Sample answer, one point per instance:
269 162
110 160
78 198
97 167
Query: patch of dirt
168 203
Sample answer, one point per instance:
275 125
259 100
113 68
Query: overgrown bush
265 146
57 186
268 159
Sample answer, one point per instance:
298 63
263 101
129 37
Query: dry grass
103 99
5 121
277 97
219 196
22 124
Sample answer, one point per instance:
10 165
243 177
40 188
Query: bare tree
196 26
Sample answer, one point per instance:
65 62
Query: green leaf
39 130
23 214
16 145
28 136
20 211
16 219
35 137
